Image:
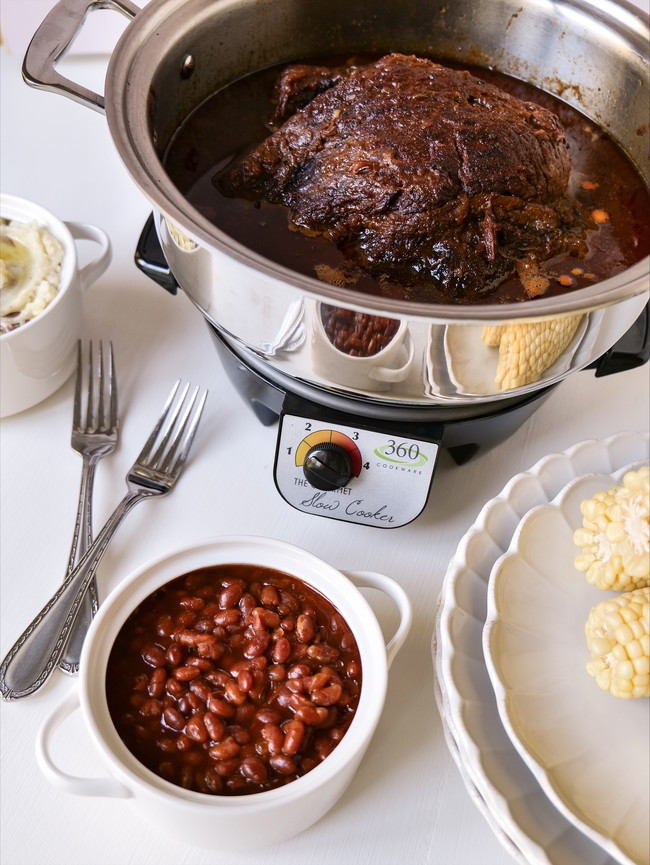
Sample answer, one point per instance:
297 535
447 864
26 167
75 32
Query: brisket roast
419 173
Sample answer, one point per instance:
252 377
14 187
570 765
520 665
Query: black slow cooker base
462 437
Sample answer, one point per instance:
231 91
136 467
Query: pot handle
91 272
52 40
373 580
631 350
71 783
150 259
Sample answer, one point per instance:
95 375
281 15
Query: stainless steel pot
176 53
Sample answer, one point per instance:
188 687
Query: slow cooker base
346 465
463 436
347 457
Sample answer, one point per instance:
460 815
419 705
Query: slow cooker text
354 508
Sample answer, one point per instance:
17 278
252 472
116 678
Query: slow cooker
359 460
358 437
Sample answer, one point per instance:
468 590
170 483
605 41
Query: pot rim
133 141
258 550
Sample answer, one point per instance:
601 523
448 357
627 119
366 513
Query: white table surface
407 804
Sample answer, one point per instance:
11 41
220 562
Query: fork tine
112 389
100 421
91 388
155 461
170 456
107 388
76 417
176 433
95 406
189 435
150 442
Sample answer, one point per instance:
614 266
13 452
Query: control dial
327 466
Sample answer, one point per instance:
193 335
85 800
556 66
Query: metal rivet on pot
187 66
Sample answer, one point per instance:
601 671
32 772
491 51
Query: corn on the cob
617 637
615 535
493 333
181 239
527 350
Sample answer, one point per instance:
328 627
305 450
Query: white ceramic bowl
230 822
371 372
39 356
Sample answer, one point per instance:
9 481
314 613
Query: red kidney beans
233 679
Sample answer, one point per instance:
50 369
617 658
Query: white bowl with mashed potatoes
41 283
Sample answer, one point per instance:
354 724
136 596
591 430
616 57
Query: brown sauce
233 121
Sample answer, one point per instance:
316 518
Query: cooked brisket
419 173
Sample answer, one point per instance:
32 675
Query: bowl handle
373 580
90 272
386 373
52 40
71 783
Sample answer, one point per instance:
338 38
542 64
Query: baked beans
233 679
357 333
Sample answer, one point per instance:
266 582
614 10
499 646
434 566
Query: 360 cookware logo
402 453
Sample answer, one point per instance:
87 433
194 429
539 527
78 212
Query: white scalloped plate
489 764
589 751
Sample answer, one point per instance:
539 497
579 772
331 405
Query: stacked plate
559 768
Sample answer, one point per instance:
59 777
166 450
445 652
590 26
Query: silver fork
35 654
94 435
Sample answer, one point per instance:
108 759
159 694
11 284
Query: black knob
327 466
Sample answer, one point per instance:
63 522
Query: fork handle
36 653
81 542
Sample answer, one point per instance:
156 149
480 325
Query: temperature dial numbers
329 459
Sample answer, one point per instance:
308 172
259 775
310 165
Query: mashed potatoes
30 271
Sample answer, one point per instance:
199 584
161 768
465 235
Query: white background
407 804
